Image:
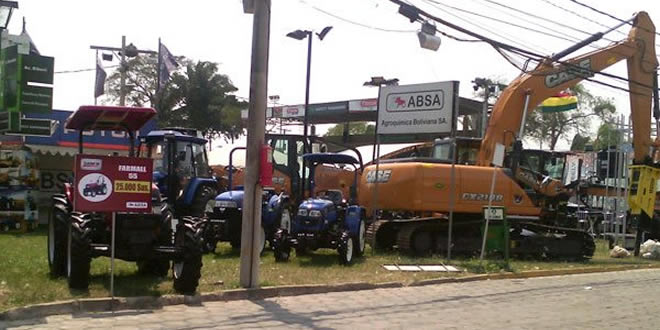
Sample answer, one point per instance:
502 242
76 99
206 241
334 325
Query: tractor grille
225 213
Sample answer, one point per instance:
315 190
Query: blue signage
92 139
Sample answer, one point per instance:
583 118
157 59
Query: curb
87 305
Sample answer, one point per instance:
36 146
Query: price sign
112 184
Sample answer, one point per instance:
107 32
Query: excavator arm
549 78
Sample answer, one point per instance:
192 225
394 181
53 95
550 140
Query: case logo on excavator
383 176
581 69
482 197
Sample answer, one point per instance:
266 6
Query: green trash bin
497 240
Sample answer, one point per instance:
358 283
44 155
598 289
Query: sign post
112 184
498 161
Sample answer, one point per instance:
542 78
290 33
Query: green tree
580 142
550 127
607 135
195 96
355 128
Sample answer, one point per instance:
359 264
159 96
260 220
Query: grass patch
25 280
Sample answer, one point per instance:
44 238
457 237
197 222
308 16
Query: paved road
608 300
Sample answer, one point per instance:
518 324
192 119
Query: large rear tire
187 268
79 253
57 241
361 239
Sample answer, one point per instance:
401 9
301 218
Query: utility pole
125 51
250 235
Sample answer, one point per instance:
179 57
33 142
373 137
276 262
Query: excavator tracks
427 235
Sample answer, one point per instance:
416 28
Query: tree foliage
551 127
196 96
607 136
580 142
355 128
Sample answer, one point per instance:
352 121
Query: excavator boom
547 79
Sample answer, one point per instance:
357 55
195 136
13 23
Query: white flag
99 84
167 64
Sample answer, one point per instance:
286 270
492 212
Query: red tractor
96 188
149 239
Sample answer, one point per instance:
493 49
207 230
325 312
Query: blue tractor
326 219
181 163
225 221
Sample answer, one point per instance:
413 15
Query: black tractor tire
79 253
58 223
361 239
346 248
202 197
187 268
159 266
281 247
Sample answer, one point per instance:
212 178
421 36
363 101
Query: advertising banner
112 184
332 109
419 108
365 105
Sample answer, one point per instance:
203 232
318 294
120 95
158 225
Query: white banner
419 108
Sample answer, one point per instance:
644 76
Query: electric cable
542 19
502 21
608 15
84 70
353 22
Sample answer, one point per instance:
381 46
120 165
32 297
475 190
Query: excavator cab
467 149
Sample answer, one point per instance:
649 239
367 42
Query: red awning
93 117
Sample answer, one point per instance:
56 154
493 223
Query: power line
84 70
589 19
492 42
609 15
413 13
354 22
502 21
542 19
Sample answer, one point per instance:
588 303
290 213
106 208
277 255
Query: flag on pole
167 64
563 101
99 84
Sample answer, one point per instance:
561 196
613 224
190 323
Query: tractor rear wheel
57 241
198 208
360 239
79 253
187 268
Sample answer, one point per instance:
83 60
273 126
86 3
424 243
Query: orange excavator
412 196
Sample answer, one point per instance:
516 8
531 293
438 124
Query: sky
369 38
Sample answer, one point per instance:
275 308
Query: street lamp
300 35
6 9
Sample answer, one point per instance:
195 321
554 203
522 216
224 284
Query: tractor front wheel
346 248
79 253
57 242
187 268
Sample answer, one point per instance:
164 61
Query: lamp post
300 35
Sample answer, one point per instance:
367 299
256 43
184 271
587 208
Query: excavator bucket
642 189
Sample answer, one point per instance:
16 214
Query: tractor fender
194 185
353 217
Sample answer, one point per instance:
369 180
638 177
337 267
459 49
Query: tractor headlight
226 204
315 213
302 212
